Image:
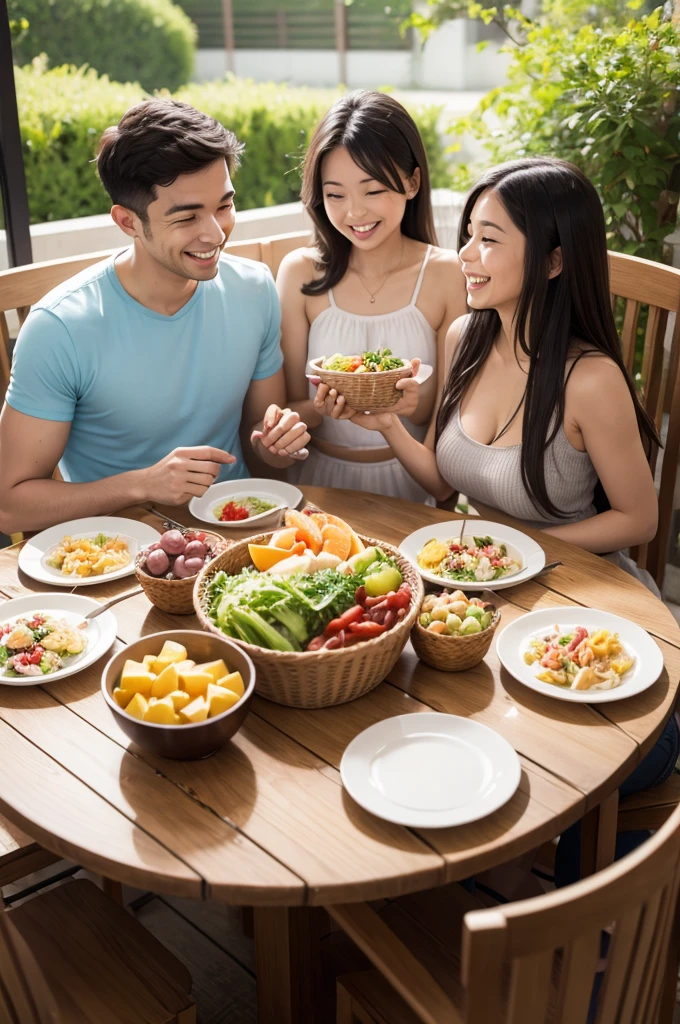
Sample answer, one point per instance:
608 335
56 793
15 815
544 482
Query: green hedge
64 111
150 41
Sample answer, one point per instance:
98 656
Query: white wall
447 62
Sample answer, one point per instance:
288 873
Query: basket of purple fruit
168 568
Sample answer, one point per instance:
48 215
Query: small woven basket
453 653
364 392
316 679
175 596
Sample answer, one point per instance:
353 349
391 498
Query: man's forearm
37 504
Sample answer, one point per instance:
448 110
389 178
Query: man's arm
30 499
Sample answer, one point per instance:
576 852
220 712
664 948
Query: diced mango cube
220 699
162 712
197 711
166 682
180 699
135 677
233 681
158 664
173 651
148 660
184 666
216 669
196 683
138 706
122 697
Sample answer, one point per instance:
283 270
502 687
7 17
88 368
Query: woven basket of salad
366 381
320 631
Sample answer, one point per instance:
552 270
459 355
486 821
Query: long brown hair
553 204
381 137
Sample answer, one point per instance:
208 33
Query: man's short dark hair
155 142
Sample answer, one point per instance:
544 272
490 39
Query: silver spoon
546 568
114 600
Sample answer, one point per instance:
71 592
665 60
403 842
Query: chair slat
4 351
639 960
577 977
530 988
629 333
656 557
621 950
654 969
652 361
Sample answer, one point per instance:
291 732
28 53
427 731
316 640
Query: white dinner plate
33 555
526 551
430 770
100 632
282 494
424 373
514 640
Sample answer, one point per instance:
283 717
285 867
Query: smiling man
138 376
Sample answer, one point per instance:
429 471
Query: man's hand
283 434
185 473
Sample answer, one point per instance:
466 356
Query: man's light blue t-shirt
136 384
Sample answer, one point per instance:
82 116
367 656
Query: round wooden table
265 822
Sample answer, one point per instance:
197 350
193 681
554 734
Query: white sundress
408 334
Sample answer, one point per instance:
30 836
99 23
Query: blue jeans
654 769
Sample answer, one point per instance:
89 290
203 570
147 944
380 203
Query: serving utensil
114 600
171 524
546 568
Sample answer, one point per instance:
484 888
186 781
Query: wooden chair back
537 960
24 995
640 290
278 246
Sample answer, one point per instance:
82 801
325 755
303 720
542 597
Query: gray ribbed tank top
493 475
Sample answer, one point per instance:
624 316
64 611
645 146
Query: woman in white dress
374 278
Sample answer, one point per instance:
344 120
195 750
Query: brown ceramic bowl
196 739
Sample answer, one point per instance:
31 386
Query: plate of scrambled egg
580 654
85 551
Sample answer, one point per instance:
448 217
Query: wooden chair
72 955
278 246
19 855
529 962
638 285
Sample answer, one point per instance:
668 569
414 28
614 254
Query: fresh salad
39 645
331 608
367 362
84 556
575 658
474 559
241 508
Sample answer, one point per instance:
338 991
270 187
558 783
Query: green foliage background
63 112
151 41
595 85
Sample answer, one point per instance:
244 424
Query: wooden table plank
543 805
571 741
224 858
52 805
271 790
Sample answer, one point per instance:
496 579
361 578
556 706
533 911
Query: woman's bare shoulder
444 261
300 264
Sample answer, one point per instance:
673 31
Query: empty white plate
430 770
526 551
100 632
280 494
513 641
33 556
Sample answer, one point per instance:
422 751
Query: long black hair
382 138
553 204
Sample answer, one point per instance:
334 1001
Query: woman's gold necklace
392 270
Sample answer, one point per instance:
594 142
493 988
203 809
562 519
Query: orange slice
357 544
320 518
306 529
336 541
283 538
264 556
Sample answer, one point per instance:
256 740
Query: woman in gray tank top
539 417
